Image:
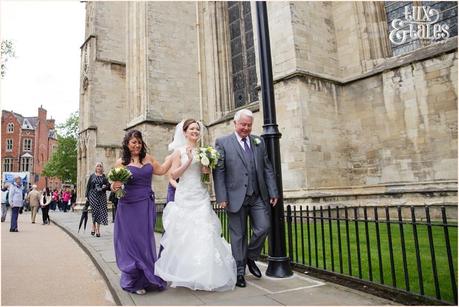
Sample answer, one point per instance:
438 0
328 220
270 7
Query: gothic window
26 164
27 145
244 74
431 19
10 128
9 145
7 165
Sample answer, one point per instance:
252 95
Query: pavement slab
43 266
298 290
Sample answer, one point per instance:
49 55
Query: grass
302 252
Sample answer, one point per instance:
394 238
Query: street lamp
278 262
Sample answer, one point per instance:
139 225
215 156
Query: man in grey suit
245 185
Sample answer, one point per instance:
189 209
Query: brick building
27 144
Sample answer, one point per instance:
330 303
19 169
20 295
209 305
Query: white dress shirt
239 139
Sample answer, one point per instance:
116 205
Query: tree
6 53
63 162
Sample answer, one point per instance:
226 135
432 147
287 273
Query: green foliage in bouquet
208 156
119 174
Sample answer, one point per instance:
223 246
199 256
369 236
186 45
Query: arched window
242 53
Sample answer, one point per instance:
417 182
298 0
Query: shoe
33 222
98 235
240 282
253 268
141 292
92 233
14 230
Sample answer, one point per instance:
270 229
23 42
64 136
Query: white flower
205 161
257 141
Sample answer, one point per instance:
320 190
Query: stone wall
172 60
359 126
103 104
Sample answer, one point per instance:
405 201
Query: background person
45 203
16 201
33 197
95 193
5 203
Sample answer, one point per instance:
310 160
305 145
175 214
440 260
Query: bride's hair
126 154
188 122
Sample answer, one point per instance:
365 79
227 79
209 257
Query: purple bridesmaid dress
170 193
134 238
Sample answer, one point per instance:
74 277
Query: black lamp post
278 262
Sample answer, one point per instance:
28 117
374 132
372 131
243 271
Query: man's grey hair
34 187
16 177
245 112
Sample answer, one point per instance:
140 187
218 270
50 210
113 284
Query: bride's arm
178 168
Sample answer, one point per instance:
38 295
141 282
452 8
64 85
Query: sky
46 70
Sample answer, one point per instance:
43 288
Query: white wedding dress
195 255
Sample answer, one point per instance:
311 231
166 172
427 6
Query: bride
194 255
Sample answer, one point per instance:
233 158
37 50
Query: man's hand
273 201
223 204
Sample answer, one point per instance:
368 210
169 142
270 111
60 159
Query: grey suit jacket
231 173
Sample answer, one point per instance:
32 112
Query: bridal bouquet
208 156
119 174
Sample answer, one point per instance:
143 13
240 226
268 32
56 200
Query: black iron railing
403 252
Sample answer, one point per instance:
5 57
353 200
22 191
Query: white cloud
46 71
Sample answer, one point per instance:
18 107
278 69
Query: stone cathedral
364 120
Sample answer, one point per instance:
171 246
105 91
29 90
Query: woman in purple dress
134 239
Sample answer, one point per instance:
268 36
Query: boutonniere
257 141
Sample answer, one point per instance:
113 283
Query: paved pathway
299 289
42 265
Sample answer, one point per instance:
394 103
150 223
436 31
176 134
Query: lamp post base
279 267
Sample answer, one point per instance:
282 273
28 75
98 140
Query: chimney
41 114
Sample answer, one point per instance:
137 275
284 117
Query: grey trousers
259 214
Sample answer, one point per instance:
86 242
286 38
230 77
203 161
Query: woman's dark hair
188 122
126 154
47 191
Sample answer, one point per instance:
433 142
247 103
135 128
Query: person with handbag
45 201
95 192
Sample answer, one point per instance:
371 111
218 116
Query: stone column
136 60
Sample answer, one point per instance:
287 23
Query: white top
15 196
